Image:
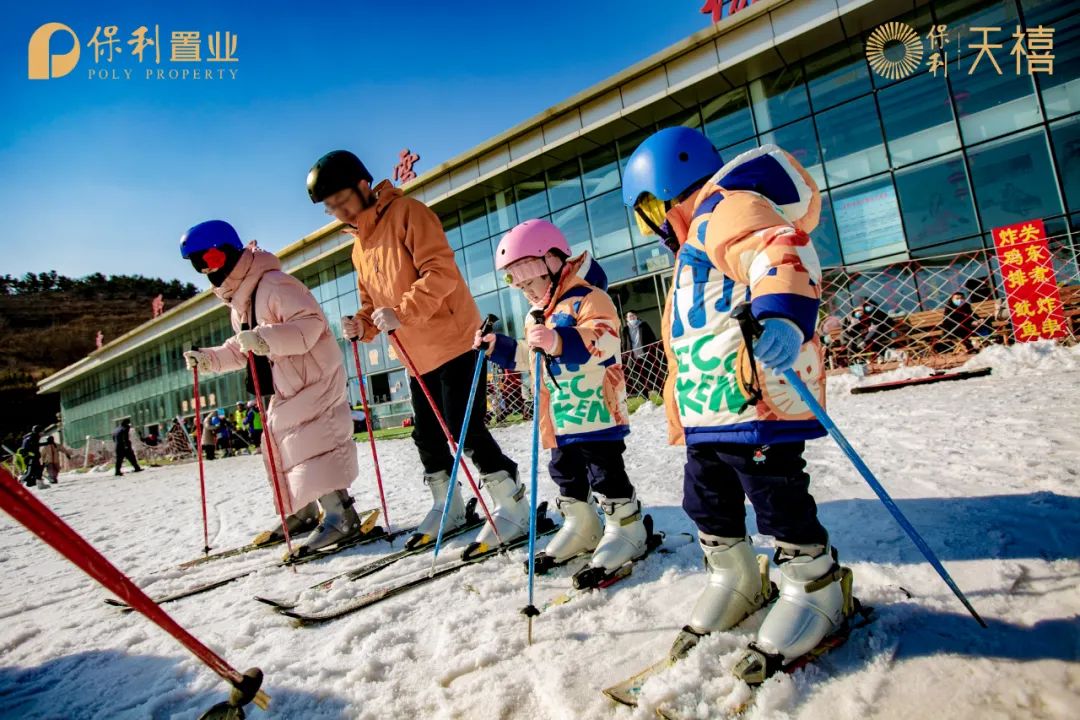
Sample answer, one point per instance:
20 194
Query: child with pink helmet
583 415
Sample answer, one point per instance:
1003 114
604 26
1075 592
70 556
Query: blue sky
104 176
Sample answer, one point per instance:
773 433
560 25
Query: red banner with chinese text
1028 275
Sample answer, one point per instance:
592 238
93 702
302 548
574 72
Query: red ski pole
446 431
269 442
36 517
370 432
198 455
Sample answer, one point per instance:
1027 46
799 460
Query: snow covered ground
986 469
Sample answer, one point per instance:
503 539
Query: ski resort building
917 159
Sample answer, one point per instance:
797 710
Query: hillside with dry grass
48 321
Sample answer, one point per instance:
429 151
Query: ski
472 522
627 691
370 535
657 542
545 526
862 616
242 549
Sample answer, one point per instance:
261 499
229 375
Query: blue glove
779 344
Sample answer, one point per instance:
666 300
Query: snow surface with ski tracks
987 469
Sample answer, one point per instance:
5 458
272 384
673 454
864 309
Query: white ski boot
626 538
579 534
339 523
815 602
511 513
738 584
427 530
303 520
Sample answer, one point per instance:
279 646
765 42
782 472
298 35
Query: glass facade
912 168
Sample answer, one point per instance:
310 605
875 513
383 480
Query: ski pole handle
355 338
485 328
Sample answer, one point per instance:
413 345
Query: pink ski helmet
530 239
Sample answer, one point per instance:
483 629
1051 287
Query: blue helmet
210 234
667 163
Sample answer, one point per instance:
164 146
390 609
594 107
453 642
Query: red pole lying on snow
36 517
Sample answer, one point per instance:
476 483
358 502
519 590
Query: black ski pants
449 385
126 453
718 477
585 467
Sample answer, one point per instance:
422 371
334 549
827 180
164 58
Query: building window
779 97
826 242
1066 138
837 75
733 151
653 258
918 119
489 305
479 260
564 185
501 213
532 198
1061 91
600 171
728 119
936 202
574 226
989 105
868 221
1013 180
607 220
620 267
474 225
892 288
964 14
452 227
851 141
514 310
800 140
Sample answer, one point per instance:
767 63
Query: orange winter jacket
404 262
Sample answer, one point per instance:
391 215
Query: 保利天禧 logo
895 50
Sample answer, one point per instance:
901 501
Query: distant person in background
123 449
359 419
639 356
830 326
958 326
253 425
224 435
31 453
868 329
209 436
50 460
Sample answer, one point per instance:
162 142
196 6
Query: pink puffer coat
308 417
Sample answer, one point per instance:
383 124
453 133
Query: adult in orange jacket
411 286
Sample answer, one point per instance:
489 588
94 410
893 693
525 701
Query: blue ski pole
746 319
481 353
530 610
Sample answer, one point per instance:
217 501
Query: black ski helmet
334 171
